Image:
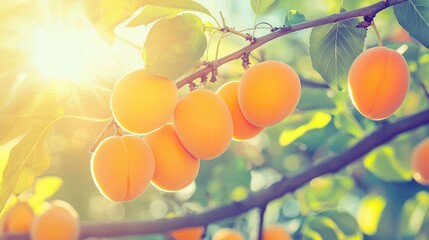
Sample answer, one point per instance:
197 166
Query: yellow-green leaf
259 6
319 120
45 187
27 160
369 214
174 45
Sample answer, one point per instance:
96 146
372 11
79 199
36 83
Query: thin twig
261 221
102 135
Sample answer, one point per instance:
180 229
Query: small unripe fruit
203 124
242 129
175 167
60 222
268 93
420 162
122 167
194 233
378 82
142 103
227 234
18 218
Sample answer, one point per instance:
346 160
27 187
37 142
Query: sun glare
60 53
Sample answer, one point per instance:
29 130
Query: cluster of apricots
271 232
167 154
60 221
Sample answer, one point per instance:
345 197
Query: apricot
203 124
242 129
268 92
18 218
227 234
378 82
142 103
58 222
275 232
194 233
420 162
122 167
175 167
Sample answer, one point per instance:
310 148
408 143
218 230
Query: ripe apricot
142 103
268 92
378 82
194 233
175 167
242 129
203 124
420 162
18 218
227 234
122 167
58 222
275 232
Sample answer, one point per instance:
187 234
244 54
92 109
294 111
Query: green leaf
345 122
27 160
162 8
319 120
383 163
259 6
414 212
294 17
331 224
413 15
333 48
105 15
174 45
323 192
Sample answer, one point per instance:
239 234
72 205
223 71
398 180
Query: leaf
331 224
319 120
333 48
383 163
162 8
174 45
27 160
370 212
105 15
413 15
345 122
45 187
294 17
314 98
259 6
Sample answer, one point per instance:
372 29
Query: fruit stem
102 135
380 42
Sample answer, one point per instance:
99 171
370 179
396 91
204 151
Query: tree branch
371 10
257 200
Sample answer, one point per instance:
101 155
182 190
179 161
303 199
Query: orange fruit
18 218
193 233
122 167
58 222
378 82
203 124
175 167
268 92
227 234
242 129
142 103
420 162
275 232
